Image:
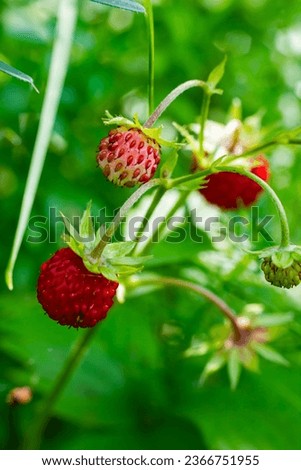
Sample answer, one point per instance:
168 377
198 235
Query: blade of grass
123 4
17 74
66 21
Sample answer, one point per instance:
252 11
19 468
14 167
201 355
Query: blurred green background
134 389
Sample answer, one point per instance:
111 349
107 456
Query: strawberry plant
192 275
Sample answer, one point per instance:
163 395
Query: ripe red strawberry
128 157
231 190
72 295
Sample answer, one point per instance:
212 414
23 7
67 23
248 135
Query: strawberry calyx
114 260
152 133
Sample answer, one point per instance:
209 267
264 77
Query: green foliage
136 388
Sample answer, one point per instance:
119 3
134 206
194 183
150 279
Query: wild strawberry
278 276
231 190
128 157
72 295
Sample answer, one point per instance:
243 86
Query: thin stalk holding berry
34 436
285 230
202 291
156 199
170 98
203 120
157 234
121 214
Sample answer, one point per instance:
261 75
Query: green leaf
234 368
117 250
169 165
17 74
270 354
123 4
217 74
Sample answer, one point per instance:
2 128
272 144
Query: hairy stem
170 98
203 120
156 199
207 294
156 235
35 434
121 214
285 231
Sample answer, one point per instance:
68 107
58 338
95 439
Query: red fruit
231 190
128 157
72 295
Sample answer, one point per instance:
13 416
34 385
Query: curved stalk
202 291
156 235
121 214
170 98
285 230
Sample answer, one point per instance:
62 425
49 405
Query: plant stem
151 54
121 214
203 120
156 199
156 235
260 148
176 182
35 434
170 98
213 298
285 231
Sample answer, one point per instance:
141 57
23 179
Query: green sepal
72 244
234 367
276 319
118 249
169 165
86 229
113 261
215 363
131 260
281 257
152 133
270 354
107 273
192 185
